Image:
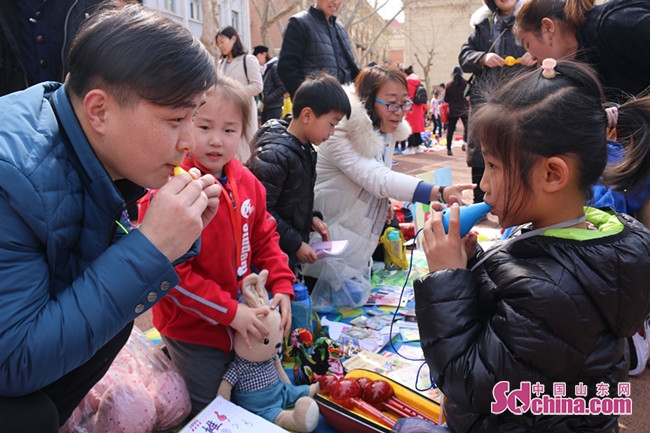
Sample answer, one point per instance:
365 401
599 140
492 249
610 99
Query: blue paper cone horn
469 216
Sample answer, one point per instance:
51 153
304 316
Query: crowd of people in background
284 151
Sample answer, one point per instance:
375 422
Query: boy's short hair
258 49
135 52
322 93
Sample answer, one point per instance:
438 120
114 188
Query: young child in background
434 114
555 303
196 317
285 162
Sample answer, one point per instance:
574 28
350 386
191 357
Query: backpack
420 96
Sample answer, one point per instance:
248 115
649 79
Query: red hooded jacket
415 116
200 308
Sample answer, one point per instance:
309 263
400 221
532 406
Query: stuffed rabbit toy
256 380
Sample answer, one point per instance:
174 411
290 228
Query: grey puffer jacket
287 169
308 45
543 309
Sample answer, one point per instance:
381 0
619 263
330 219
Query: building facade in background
234 13
434 31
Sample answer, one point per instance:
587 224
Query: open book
329 248
224 416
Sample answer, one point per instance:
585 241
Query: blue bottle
469 216
301 312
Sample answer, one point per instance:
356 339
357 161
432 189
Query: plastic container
469 216
394 250
301 311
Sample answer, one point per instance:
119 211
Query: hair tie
612 116
548 68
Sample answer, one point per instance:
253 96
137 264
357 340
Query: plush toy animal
314 358
256 380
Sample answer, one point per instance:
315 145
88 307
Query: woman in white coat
354 177
244 68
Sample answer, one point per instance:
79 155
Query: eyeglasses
393 107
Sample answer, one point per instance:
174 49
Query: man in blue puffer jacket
72 158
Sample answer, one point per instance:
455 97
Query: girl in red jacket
198 316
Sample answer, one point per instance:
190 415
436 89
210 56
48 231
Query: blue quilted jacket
68 284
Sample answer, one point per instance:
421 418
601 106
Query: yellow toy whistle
180 170
511 61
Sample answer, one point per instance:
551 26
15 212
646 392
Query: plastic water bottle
395 242
301 313
394 253
469 216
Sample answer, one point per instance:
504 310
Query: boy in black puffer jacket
285 162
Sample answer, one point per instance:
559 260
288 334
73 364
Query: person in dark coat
284 161
614 38
484 55
314 41
458 105
549 307
273 93
35 37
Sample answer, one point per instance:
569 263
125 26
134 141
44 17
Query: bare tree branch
427 66
269 16
210 9
374 40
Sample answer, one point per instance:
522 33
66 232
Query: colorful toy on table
395 256
380 394
371 397
256 380
314 358
348 392
302 341
329 352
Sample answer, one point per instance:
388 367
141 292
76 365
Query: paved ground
639 422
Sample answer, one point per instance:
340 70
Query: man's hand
179 212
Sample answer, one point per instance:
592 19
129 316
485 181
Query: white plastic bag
340 286
140 393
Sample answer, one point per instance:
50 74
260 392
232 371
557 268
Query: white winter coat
354 180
